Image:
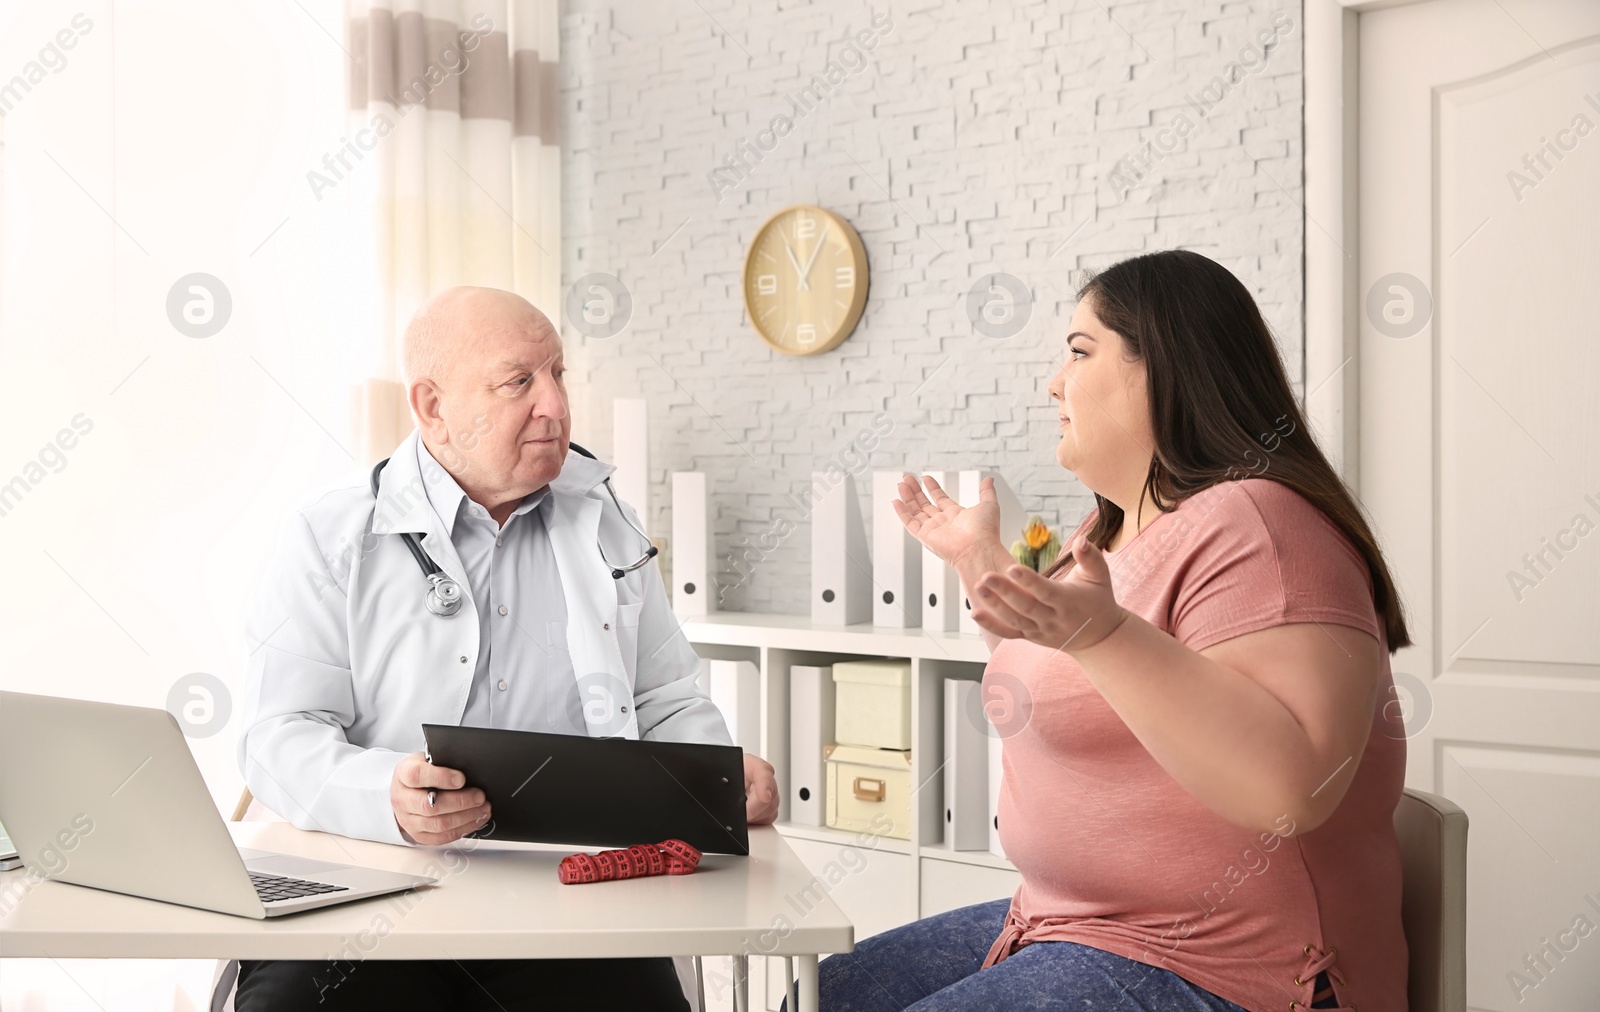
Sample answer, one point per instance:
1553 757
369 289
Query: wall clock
805 280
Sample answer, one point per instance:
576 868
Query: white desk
494 901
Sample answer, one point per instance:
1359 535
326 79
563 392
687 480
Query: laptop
109 797
9 858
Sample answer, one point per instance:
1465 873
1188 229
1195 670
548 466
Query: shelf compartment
976 858
798 632
946 885
844 838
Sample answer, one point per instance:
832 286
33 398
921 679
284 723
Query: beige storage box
872 703
869 790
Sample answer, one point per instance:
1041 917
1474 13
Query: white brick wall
996 130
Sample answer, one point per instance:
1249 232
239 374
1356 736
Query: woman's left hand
1070 614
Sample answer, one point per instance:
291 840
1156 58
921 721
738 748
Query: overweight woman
1199 775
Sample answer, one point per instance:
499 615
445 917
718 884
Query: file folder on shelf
693 596
966 768
735 687
841 558
941 587
896 559
1011 521
630 452
811 702
996 771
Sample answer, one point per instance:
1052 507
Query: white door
1480 452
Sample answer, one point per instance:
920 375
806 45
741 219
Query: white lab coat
347 664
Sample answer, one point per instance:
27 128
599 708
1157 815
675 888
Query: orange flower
1036 534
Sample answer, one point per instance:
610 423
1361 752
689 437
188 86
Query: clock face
805 280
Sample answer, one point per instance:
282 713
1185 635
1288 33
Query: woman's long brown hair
1221 408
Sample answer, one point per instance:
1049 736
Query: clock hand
801 275
814 251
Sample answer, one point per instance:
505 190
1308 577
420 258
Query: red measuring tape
669 857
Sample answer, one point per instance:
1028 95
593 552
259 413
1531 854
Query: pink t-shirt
1115 854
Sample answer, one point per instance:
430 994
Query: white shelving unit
879 882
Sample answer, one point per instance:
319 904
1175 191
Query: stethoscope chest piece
444 595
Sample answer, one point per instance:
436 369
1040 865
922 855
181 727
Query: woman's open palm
945 528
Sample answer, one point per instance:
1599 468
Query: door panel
1480 449
1535 815
1518 172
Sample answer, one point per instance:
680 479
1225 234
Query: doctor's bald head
484 379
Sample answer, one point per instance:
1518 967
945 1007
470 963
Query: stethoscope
444 594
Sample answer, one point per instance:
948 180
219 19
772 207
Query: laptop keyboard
272 888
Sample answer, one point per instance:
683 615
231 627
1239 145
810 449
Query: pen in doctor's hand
433 805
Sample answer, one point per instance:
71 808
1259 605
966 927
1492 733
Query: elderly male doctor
348 661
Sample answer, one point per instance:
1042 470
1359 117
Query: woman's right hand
952 532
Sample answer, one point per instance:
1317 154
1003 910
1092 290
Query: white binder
630 452
811 709
841 559
693 596
896 559
966 768
996 771
941 587
1011 521
735 686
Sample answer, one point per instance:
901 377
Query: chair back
1433 854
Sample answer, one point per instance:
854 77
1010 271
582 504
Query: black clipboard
599 792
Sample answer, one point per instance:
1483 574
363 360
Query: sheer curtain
457 104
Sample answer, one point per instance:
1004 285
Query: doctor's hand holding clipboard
434 806
760 791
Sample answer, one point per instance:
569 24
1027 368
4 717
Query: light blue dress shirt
524 679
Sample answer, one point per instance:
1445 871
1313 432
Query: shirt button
463 658
498 542
502 609
624 709
607 625
502 685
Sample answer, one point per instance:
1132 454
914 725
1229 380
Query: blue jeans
932 965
